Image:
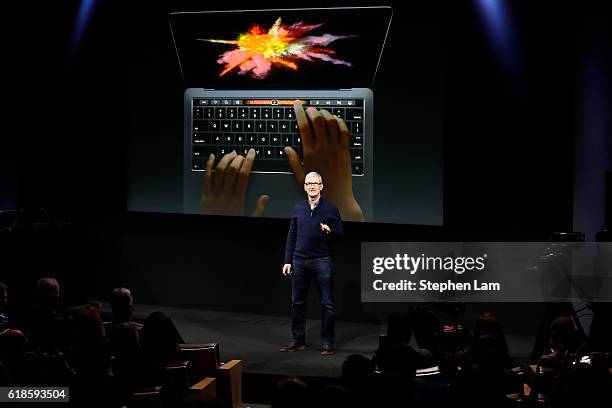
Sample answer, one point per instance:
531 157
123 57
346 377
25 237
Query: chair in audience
175 383
205 362
149 397
175 378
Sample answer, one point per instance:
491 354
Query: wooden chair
176 377
207 386
205 362
149 397
175 383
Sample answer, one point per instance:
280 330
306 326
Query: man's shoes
327 350
293 346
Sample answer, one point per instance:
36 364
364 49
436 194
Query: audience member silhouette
399 330
122 306
127 364
426 327
487 325
600 334
91 349
396 363
291 392
159 345
101 370
90 356
356 372
333 396
356 376
47 325
21 365
564 342
484 380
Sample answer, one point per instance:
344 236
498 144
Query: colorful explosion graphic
258 50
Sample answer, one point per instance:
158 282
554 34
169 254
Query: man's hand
287 269
326 151
224 192
325 228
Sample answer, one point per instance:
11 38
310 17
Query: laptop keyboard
220 126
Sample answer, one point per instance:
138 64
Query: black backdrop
507 160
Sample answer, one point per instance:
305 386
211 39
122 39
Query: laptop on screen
245 68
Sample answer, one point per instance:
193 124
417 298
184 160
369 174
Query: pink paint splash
258 51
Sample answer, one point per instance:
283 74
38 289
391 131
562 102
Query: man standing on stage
315 223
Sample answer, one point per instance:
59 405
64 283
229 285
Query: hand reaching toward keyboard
325 142
224 191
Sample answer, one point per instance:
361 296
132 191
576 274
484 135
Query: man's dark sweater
305 238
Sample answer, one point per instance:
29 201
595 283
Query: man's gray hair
314 173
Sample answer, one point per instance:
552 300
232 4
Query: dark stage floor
255 339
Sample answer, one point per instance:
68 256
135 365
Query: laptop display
244 69
281 49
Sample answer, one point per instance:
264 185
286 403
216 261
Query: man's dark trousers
302 271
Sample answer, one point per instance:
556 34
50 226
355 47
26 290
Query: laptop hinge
341 89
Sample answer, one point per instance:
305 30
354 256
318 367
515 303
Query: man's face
313 186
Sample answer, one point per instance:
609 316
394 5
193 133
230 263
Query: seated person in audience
122 306
4 320
90 355
484 381
563 343
127 360
399 330
91 349
356 376
426 327
396 363
47 325
582 385
26 366
333 396
47 295
356 372
487 324
291 392
159 345
600 334
22 366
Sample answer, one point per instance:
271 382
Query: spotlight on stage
501 33
82 21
